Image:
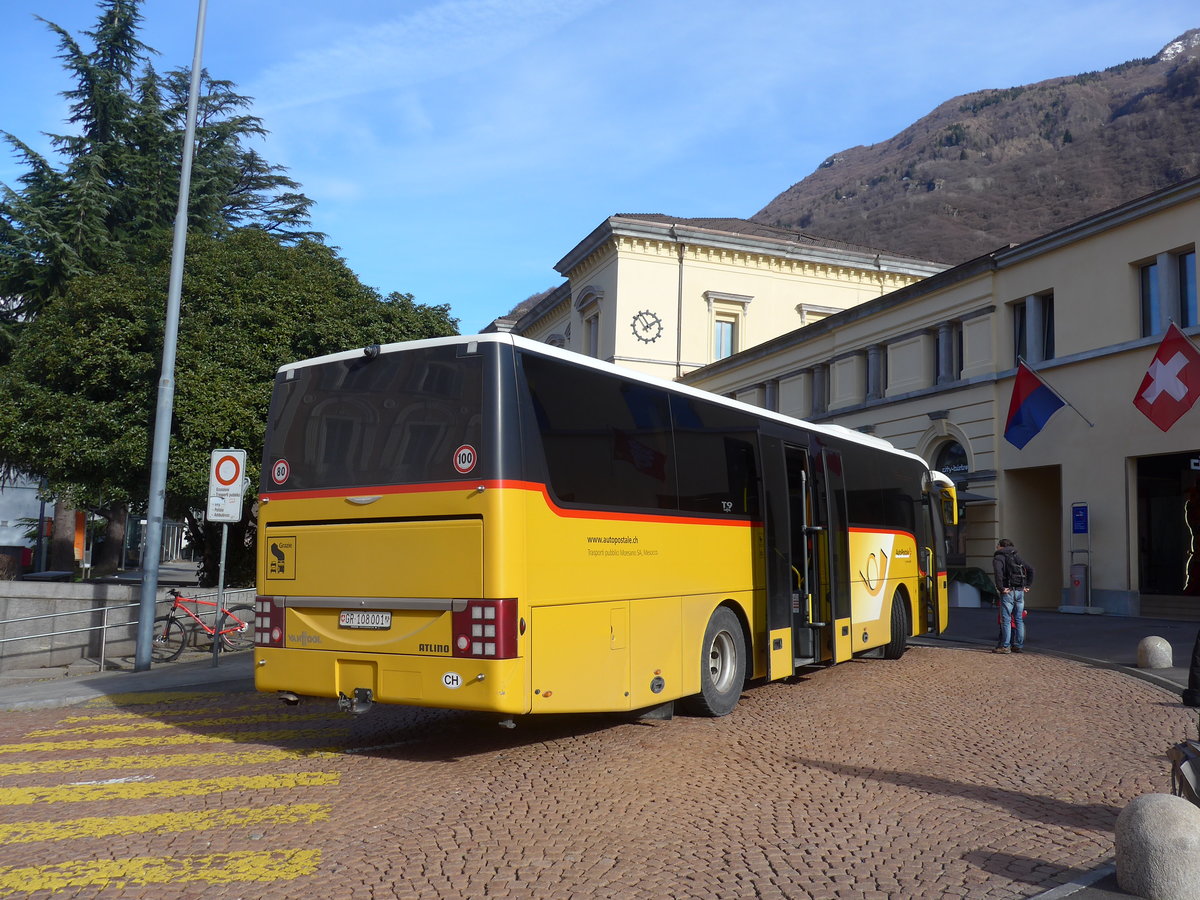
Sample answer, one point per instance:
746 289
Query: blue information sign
1079 518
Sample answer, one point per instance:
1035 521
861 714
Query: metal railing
226 598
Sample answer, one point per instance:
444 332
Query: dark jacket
1002 559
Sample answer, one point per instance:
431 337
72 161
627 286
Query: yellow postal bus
488 523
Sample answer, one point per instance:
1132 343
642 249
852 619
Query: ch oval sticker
452 680
465 458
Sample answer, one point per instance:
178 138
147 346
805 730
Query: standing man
1013 578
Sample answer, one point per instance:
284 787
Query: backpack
1014 571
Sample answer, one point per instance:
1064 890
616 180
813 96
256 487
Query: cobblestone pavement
948 773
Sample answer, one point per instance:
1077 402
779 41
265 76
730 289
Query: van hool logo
433 648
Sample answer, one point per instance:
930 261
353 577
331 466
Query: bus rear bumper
444 682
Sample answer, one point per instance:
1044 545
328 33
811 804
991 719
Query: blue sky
457 149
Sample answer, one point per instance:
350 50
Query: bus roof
579 359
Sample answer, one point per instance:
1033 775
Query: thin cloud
434 42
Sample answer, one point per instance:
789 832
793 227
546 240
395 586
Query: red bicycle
172 632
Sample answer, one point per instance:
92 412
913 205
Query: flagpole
1066 402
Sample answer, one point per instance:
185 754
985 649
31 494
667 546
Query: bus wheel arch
901 619
724 660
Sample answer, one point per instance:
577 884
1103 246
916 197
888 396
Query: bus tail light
486 629
269 616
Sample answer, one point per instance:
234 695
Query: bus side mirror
949 500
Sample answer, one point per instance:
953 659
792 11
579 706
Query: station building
1103 503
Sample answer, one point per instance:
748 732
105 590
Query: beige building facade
666 296
1102 502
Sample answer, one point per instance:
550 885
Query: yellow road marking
149 698
154 740
221 868
160 761
145 724
163 823
174 713
82 793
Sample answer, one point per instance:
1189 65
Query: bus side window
717 454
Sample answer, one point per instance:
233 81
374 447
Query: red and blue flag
1033 403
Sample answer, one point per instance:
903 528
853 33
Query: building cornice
676 232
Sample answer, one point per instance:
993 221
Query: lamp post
166 382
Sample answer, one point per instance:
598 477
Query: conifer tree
116 187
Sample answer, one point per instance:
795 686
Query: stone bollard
1154 653
1158 848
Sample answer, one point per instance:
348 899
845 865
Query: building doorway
1031 515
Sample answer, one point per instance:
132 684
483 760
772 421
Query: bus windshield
397 418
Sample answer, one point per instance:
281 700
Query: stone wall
70 607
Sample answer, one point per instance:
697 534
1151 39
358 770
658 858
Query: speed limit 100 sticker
280 471
465 458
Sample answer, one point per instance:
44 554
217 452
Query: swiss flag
1172 383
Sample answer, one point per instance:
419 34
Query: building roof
753 229
745 236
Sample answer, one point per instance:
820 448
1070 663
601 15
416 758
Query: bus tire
895 647
722 665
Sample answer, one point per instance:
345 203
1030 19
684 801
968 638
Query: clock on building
647 326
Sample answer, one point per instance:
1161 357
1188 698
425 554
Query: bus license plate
354 618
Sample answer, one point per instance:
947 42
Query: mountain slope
1002 166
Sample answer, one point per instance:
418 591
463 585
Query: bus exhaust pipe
361 702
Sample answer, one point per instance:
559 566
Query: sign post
1079 592
226 487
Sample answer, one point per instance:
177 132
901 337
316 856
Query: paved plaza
951 772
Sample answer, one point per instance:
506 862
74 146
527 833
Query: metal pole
40 553
103 638
166 383
220 594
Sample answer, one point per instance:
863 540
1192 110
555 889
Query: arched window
952 461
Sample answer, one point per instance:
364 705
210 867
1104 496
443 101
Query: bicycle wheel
170 637
237 628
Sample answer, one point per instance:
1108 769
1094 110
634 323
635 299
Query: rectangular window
392 419
1020 332
724 338
1167 292
607 441
1047 324
1033 329
616 443
591 336
1187 290
716 449
1151 311
726 315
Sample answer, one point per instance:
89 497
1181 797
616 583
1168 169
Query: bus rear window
400 418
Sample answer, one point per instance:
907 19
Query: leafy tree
77 401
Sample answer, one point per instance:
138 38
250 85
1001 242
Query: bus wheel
722 665
894 648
